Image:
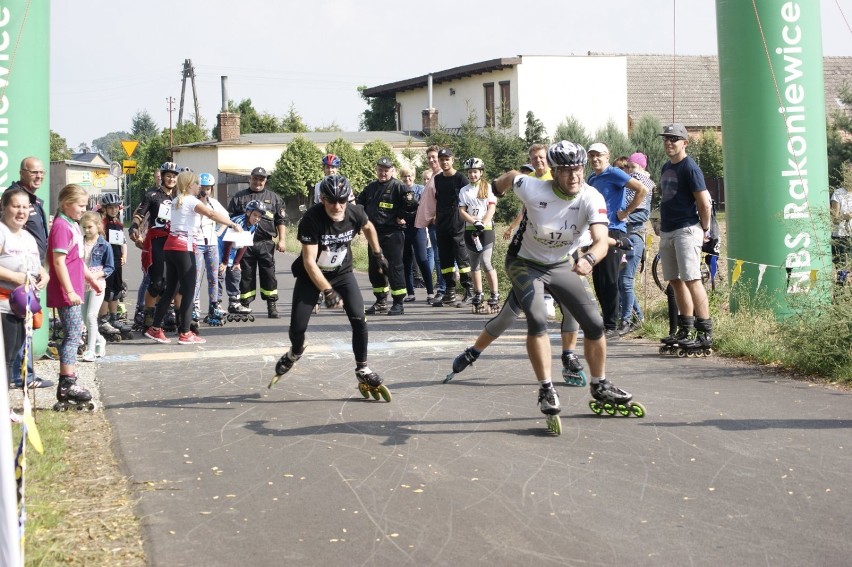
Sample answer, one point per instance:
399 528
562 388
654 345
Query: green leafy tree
143 127
252 121
58 147
110 145
298 168
370 154
352 163
572 130
534 132
645 138
292 121
380 114
707 153
838 141
616 140
332 127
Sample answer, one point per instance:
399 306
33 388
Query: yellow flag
813 278
649 240
738 271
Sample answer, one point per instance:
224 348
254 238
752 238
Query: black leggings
304 300
180 277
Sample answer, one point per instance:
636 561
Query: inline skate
370 384
572 370
477 306
215 316
672 343
70 395
107 331
122 326
701 344
239 313
170 323
140 317
283 366
494 302
461 362
548 403
606 397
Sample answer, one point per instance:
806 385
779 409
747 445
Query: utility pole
171 109
188 72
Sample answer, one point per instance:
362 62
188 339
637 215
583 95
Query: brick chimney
228 122
430 120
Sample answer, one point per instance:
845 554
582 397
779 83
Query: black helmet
108 199
255 205
565 153
170 167
335 188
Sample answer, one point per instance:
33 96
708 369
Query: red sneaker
190 338
157 335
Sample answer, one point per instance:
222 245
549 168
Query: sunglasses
337 201
672 139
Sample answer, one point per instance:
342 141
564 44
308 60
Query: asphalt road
731 466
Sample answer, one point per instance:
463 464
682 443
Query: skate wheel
637 409
554 424
274 381
708 351
59 406
449 377
681 353
623 410
609 408
664 350
595 406
365 391
375 393
385 393
251 318
575 380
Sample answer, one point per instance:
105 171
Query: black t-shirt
447 189
333 239
156 207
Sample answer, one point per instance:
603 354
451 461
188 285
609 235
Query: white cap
598 147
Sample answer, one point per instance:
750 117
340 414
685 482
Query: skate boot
607 397
170 324
284 365
448 300
461 362
672 343
272 308
215 316
548 403
370 384
477 305
123 328
70 395
147 317
380 306
110 333
437 298
396 309
702 345
239 312
572 370
494 302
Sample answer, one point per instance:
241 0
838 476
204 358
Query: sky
113 58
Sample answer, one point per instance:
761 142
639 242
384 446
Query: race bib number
331 259
116 237
165 211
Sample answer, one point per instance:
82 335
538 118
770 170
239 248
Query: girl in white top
477 204
207 245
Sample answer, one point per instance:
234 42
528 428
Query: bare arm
503 184
702 201
638 198
217 216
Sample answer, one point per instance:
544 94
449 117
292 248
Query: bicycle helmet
335 188
255 205
566 154
474 163
169 167
19 298
331 159
206 180
189 169
109 199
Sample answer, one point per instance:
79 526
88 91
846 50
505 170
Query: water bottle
477 243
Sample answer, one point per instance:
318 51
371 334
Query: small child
98 257
113 232
68 276
477 205
229 269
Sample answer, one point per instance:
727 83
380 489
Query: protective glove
384 265
478 228
332 298
624 243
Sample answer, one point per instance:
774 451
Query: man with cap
260 257
387 201
611 182
685 215
449 229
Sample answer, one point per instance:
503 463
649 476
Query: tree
331 127
838 142
707 153
110 145
298 168
58 147
142 126
645 138
616 140
352 164
534 133
573 131
370 154
292 121
380 114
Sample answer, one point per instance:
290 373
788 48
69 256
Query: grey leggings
571 291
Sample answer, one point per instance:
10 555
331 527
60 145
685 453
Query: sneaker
190 338
409 298
612 334
396 309
34 383
88 356
430 299
157 334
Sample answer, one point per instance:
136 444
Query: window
489 104
505 105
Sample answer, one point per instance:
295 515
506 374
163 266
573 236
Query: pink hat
639 159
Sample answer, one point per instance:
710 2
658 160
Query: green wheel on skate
274 381
637 409
609 408
623 410
554 424
364 389
375 393
385 393
595 406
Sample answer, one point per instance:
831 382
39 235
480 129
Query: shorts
680 253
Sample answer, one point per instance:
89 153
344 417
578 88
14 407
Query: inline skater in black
325 265
261 256
387 201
